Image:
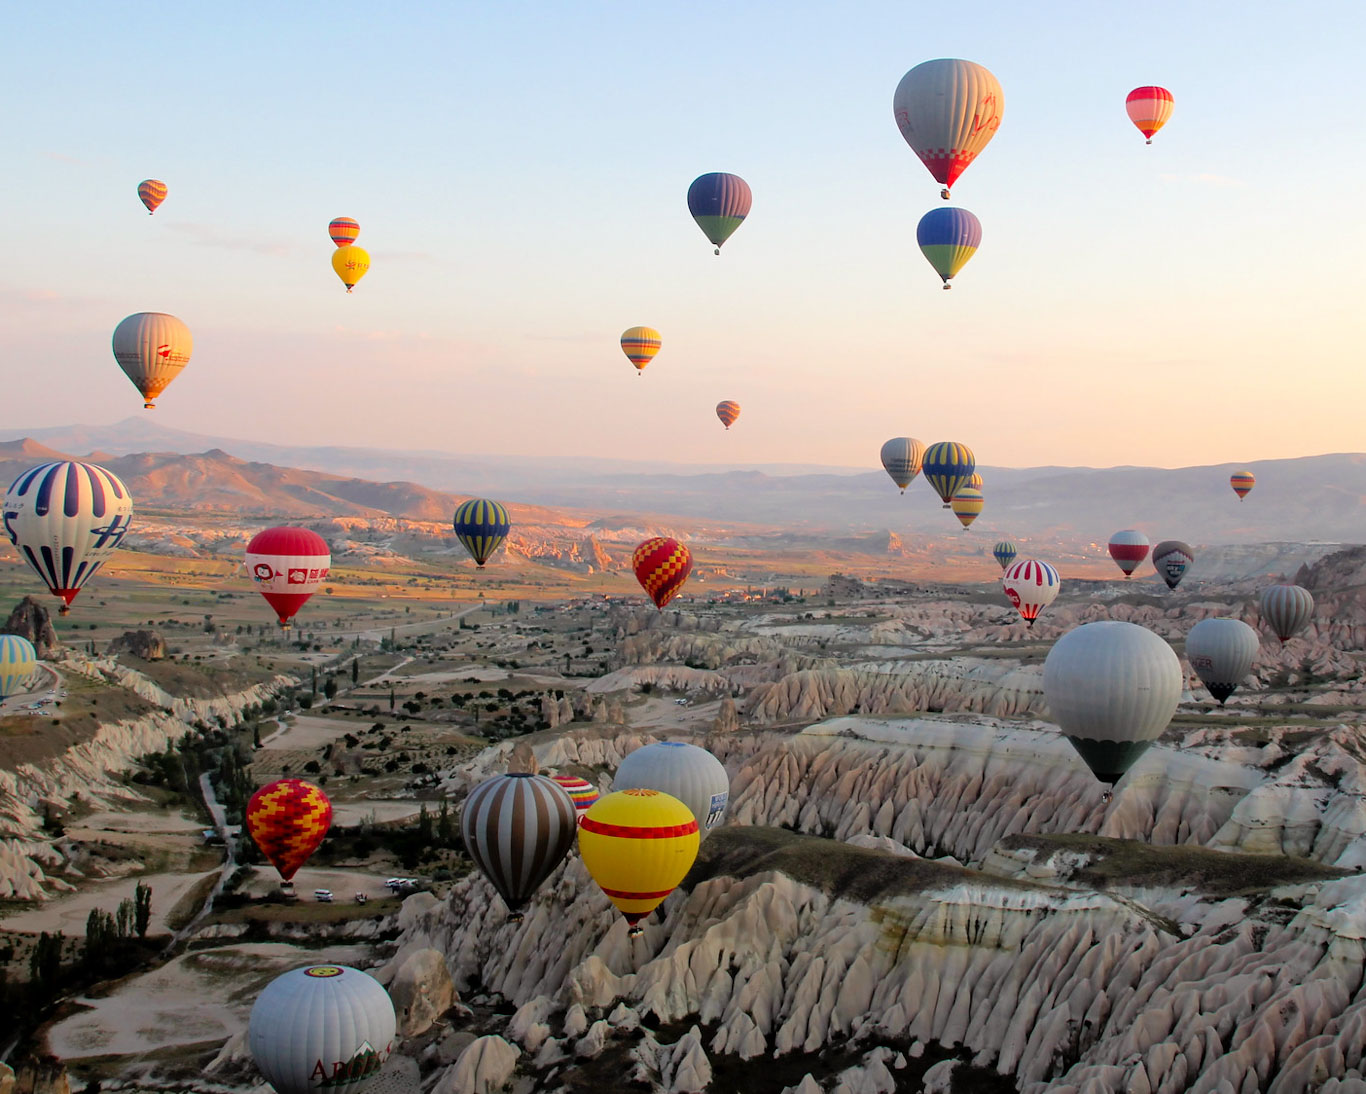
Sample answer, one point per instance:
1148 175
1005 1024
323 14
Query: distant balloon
1171 560
322 1027
1004 553
481 525
1287 609
581 792
640 344
288 565
1112 688
902 458
948 110
1242 483
287 820
152 347
67 519
719 203
662 566
947 467
689 773
1221 652
1149 108
18 664
967 505
1128 548
518 828
351 264
728 410
948 238
153 193
343 231
974 480
1030 585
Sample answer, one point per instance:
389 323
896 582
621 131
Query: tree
142 908
444 830
313 683
100 934
355 671
330 687
45 963
391 698
123 918
424 826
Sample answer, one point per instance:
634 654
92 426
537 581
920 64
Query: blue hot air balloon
719 203
947 467
481 525
1005 552
948 237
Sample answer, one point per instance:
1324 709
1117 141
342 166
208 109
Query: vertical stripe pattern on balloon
481 526
18 663
517 828
947 467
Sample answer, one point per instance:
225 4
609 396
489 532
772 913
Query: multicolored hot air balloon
67 519
152 347
343 231
481 525
288 565
1004 553
18 664
152 193
1128 548
947 467
948 238
1221 652
1171 560
719 203
581 792
638 845
287 820
689 773
967 505
948 110
351 264
640 344
1149 108
662 566
1287 609
974 480
1242 483
324 1027
1030 585
728 410
902 458
518 828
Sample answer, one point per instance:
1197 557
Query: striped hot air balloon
518 828
638 845
343 231
1031 585
728 410
152 348
640 344
1004 553
581 792
902 458
947 239
1128 548
288 565
1287 609
1171 560
948 110
947 467
967 505
662 566
719 203
1242 483
287 820
18 663
351 263
67 519
1149 109
152 192
481 525
974 480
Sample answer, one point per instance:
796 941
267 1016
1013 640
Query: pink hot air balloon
1149 108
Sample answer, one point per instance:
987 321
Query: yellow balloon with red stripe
638 845
287 820
640 344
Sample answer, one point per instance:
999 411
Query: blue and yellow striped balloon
948 238
1004 553
481 526
947 467
18 663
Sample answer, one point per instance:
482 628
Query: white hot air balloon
152 347
1030 585
691 774
1221 652
321 1027
948 110
1128 548
901 458
67 518
1112 688
1287 609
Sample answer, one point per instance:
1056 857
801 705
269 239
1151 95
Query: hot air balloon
152 192
323 1027
947 466
287 820
581 792
518 828
638 845
719 203
948 110
481 525
152 347
967 505
947 239
288 566
1128 548
343 231
902 457
728 410
1004 553
640 344
691 774
1221 652
974 480
67 518
351 263
1031 586
1171 559
1242 483
1287 609
662 566
18 664
1149 108
1112 688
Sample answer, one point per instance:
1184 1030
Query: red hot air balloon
1128 548
287 820
662 566
151 192
288 565
728 410
1149 108
343 231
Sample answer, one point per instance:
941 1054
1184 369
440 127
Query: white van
325 895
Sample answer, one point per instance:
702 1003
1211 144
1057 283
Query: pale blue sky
519 172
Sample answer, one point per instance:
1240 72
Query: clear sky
520 170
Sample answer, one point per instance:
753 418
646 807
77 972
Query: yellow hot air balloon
967 505
640 344
351 264
638 845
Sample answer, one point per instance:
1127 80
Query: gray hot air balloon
1221 652
901 456
1112 688
691 774
518 828
152 347
1287 609
1171 560
320 1027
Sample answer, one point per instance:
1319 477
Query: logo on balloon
323 970
264 571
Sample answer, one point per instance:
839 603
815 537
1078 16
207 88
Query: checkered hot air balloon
287 820
728 410
481 525
662 565
948 110
343 231
1149 109
151 192
719 203
288 565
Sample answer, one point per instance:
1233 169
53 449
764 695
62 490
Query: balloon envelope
967 505
719 203
1242 483
1128 548
351 263
18 663
343 231
662 566
947 467
481 525
1171 560
1149 108
287 820
581 792
1004 553
288 565
689 773
728 410
640 344
948 110
901 459
152 192
1031 585
1287 609
518 828
152 348
947 239
1221 652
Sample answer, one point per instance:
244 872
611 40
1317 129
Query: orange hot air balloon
343 231
287 820
640 344
1242 483
152 192
728 410
662 566
1149 108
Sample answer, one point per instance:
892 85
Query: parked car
324 895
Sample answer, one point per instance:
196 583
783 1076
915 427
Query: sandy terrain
348 814
140 822
665 714
69 913
307 732
343 883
